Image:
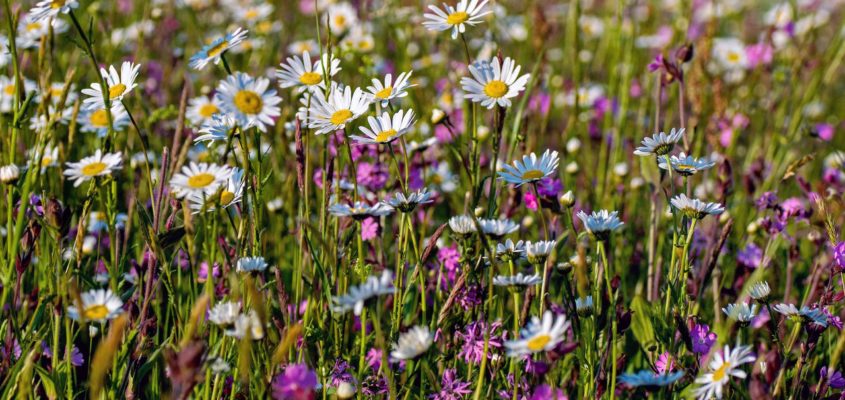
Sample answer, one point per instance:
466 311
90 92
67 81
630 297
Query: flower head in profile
213 52
660 144
303 74
246 324
493 82
387 90
517 280
224 313
530 169
721 369
249 100
97 306
686 165
251 264
584 305
46 9
412 343
600 224
462 225
497 228
760 291
538 252
815 316
386 128
119 85
467 12
741 312
93 166
220 128
509 250
360 210
539 335
695 208
407 203
355 298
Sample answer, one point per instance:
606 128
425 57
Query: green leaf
47 383
641 324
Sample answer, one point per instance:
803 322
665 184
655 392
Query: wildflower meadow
394 199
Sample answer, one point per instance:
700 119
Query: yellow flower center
46 161
200 180
340 20
9 89
384 93
340 117
251 14
310 78
457 17
96 312
57 4
733 56
264 26
93 169
226 197
720 373
386 136
218 48
33 26
248 102
533 174
99 118
116 90
538 342
495 89
208 109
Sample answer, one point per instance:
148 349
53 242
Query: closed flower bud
9 174
345 390
572 168
573 145
437 116
567 199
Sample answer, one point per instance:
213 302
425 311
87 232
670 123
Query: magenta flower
529 200
839 255
665 363
298 382
369 229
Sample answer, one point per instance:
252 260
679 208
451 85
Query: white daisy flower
49 157
586 95
97 120
57 90
462 225
760 291
539 335
247 324
303 74
7 92
199 179
342 16
467 12
201 110
584 305
412 343
721 368
600 224
251 264
407 203
360 210
309 46
498 228
517 280
686 165
93 166
232 193
538 252
729 54
252 14
97 306
695 208
355 298
444 178
741 312
493 83
510 250
119 85
46 9
333 113
249 100
224 313
30 31
212 52
530 169
388 90
659 144
386 128
813 315
9 174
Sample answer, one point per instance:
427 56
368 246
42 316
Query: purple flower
298 382
340 373
76 358
529 200
202 274
472 349
702 339
451 388
549 187
750 257
373 386
767 200
369 229
450 258
834 378
825 131
372 176
546 392
839 255
470 296
757 54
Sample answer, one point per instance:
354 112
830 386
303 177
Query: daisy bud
437 116
483 133
479 211
567 199
620 169
572 168
527 221
345 390
752 227
573 145
9 174
637 182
